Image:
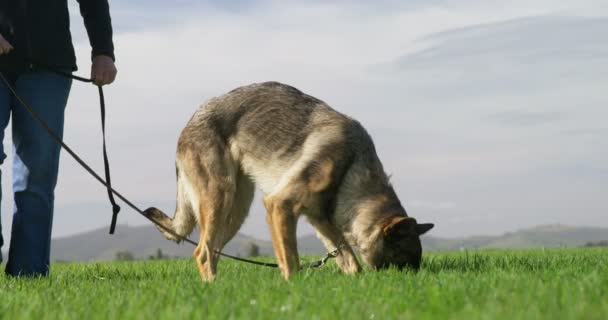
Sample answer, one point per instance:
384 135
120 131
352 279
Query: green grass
528 284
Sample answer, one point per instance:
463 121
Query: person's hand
103 70
5 46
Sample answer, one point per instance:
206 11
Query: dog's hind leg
221 215
214 179
245 190
220 224
218 230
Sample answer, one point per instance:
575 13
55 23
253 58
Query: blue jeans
35 166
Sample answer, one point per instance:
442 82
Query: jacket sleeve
96 15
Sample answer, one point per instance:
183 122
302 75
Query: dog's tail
181 225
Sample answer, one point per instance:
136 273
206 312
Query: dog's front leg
333 239
282 223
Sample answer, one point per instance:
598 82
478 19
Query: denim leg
5 114
35 166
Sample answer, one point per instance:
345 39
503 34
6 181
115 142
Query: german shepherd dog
308 159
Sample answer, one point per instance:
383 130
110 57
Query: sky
489 115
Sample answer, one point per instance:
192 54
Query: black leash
315 264
107 182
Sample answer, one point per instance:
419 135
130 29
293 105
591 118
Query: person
35 41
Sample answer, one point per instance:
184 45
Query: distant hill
541 236
140 241
143 242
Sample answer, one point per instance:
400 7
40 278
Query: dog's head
398 244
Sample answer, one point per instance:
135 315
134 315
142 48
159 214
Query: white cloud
439 116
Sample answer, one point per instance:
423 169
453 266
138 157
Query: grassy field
530 284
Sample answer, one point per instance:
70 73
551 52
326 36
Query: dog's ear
422 228
397 225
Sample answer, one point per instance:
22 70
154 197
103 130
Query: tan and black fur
308 159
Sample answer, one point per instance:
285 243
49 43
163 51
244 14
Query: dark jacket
39 30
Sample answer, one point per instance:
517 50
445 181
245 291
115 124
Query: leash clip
336 252
330 255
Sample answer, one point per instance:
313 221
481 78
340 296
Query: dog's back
269 127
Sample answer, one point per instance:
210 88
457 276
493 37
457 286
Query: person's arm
96 15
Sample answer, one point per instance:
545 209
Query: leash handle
106 162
